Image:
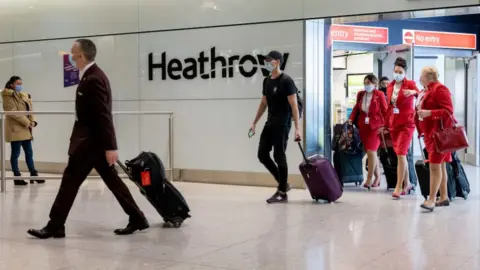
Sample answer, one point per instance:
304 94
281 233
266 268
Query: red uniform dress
401 116
373 107
438 100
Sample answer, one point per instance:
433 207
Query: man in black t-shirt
280 96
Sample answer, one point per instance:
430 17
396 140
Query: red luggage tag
146 178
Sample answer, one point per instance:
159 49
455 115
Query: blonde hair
431 73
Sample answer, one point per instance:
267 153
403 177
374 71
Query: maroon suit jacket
93 129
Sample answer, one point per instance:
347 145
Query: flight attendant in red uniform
368 114
435 107
401 94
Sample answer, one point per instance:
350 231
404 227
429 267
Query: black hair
88 48
12 80
384 79
372 78
401 62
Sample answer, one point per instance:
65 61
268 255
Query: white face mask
398 77
369 88
269 66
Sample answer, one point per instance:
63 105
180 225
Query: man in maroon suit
93 144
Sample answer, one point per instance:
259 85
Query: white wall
39 19
362 63
212 117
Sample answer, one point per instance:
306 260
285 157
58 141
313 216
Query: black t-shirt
277 92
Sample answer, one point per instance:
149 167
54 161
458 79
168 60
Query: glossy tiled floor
232 228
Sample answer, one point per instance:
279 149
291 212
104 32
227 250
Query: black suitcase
461 181
348 157
348 167
423 174
148 173
388 158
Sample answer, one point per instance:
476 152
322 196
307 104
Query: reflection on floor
232 228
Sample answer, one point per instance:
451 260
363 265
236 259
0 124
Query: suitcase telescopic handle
384 141
385 147
124 168
421 149
303 152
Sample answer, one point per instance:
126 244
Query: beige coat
17 127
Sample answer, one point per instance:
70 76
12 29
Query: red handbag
448 140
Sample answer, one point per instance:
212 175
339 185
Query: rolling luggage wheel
318 199
175 222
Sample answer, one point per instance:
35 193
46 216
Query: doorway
349 68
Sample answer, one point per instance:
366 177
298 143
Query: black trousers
276 137
80 164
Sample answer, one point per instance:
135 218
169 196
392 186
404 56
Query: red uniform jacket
378 108
438 100
405 105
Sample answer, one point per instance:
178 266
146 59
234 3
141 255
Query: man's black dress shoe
47 233
132 227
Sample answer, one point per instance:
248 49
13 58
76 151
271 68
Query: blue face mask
369 88
398 77
72 62
18 88
269 66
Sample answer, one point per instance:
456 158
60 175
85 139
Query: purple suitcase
321 179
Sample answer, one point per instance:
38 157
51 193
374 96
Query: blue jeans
15 154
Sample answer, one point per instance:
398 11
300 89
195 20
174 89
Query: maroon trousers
80 164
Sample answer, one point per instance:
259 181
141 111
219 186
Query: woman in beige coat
18 128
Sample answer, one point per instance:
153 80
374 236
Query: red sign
408 38
448 40
359 34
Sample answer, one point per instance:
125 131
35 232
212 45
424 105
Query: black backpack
348 140
299 100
